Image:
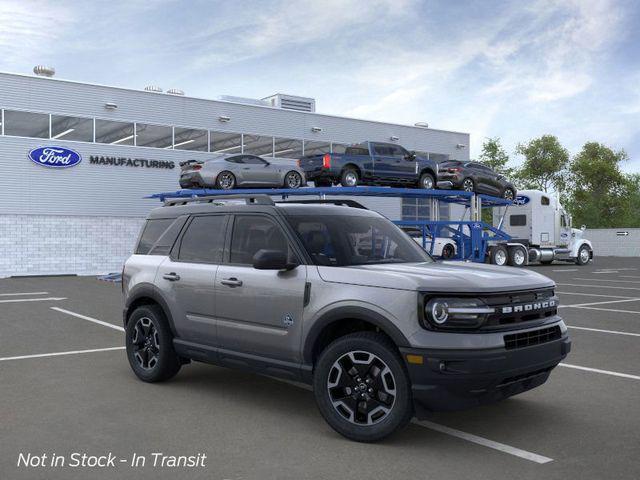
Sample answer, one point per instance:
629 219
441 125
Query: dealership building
127 144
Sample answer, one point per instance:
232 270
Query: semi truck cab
540 223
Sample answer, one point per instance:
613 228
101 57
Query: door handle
172 277
231 282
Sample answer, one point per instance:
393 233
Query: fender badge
287 320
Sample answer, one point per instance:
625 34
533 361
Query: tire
517 256
468 185
152 356
499 255
427 182
389 384
292 180
509 194
349 177
584 255
226 180
448 251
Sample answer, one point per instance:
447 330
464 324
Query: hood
460 277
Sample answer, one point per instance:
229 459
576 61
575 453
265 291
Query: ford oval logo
55 157
521 200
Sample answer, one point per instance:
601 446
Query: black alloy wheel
226 180
508 194
468 185
293 180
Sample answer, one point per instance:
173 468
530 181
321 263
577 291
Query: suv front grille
518 307
533 337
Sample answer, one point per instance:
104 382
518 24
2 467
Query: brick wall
608 242
53 244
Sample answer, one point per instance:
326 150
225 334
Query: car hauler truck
539 228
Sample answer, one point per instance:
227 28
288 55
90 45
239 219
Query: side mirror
410 156
583 228
272 260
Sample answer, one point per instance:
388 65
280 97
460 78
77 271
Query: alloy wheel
226 181
361 387
293 180
500 257
508 194
518 257
467 185
427 182
146 343
584 255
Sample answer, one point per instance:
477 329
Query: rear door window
151 233
203 241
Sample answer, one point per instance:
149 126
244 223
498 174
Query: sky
509 69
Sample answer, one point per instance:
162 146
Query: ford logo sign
521 200
55 157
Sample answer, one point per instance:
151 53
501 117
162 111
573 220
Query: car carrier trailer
475 240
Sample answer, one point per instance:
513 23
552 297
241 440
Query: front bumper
459 379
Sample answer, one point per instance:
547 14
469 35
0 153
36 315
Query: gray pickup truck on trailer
337 297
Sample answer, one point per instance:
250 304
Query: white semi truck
540 231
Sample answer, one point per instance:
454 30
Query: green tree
545 164
600 194
494 156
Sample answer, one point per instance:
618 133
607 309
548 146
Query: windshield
347 240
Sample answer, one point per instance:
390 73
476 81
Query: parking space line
57 354
22 293
46 299
629 276
577 305
597 286
614 332
567 270
607 280
592 294
597 370
608 309
485 442
89 319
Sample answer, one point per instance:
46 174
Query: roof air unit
43 71
291 102
153 88
175 91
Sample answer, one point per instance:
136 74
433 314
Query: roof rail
337 201
255 199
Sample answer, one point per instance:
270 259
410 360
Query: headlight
456 312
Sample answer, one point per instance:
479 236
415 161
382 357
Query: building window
316 148
26 124
71 128
287 148
257 145
225 142
115 133
157 136
190 139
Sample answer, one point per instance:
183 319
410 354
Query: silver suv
337 297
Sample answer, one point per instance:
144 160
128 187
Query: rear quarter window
151 232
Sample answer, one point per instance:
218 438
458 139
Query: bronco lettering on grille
529 307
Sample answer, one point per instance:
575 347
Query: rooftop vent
291 102
153 88
422 124
175 91
43 71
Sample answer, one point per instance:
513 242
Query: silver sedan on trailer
241 170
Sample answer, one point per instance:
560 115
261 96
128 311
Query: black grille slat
532 337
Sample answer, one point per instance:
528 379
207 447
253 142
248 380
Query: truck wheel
349 178
362 388
149 345
499 255
426 181
584 255
517 256
448 251
226 180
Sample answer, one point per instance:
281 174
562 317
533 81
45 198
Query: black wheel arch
147 294
341 319
430 171
352 166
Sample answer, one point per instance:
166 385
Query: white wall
607 242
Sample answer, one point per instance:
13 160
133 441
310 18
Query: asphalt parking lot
66 387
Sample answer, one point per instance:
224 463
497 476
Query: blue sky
515 69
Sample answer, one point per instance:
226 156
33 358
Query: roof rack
255 199
336 201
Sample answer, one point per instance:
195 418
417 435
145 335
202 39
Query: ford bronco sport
337 297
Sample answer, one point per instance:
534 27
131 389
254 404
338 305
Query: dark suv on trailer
338 297
474 177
